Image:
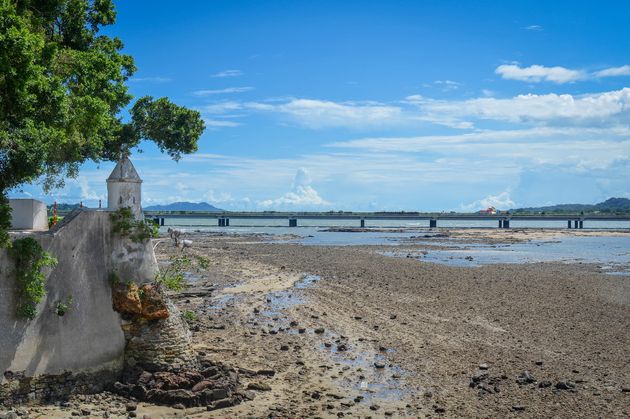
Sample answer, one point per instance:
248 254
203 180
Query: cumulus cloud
228 73
303 195
501 201
537 73
607 108
222 91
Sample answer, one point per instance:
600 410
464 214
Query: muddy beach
344 331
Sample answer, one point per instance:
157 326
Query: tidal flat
335 331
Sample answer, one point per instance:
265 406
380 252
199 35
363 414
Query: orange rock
125 298
153 304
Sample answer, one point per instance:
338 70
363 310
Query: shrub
189 316
63 306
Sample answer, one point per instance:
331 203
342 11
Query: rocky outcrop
147 302
213 385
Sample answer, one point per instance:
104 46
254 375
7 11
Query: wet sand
402 337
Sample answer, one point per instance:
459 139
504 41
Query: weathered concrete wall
89 337
28 214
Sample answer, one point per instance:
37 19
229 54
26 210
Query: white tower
124 188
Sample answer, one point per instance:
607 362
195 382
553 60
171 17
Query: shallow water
613 253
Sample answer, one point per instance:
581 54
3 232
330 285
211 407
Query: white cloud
221 107
323 114
155 79
537 73
447 85
220 123
228 73
501 201
303 195
624 70
536 28
597 109
222 91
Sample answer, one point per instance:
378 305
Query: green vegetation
52 221
30 259
189 316
5 221
126 226
610 206
63 306
172 276
63 95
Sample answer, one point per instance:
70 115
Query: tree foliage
63 91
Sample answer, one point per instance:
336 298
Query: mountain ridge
184 206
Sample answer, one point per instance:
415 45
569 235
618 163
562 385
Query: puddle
282 300
355 365
221 301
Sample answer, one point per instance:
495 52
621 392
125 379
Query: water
613 253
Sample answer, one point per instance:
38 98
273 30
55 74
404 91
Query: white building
124 188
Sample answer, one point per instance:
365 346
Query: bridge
223 218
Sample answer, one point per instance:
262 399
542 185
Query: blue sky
382 105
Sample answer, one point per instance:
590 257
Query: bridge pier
224 222
362 223
581 223
569 224
575 223
433 223
506 223
500 223
292 222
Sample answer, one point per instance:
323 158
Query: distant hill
184 206
612 205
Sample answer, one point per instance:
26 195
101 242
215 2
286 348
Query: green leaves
62 92
173 128
30 259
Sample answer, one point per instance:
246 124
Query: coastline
428 327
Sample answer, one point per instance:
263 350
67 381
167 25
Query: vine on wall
5 221
30 259
127 226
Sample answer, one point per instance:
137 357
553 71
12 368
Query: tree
62 93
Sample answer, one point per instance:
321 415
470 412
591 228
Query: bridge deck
377 216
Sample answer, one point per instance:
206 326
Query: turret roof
124 172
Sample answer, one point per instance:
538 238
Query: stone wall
87 341
159 344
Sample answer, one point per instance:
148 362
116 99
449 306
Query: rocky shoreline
345 331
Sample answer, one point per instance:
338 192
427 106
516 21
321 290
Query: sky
381 105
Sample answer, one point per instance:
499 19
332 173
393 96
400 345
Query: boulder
126 299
